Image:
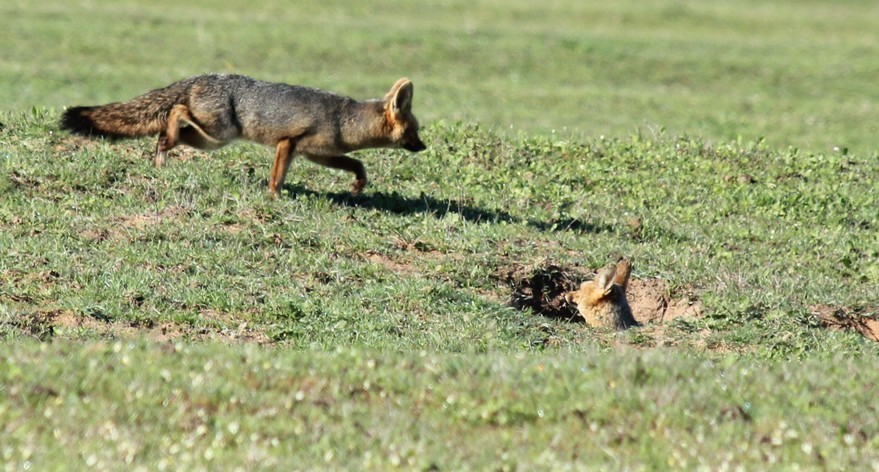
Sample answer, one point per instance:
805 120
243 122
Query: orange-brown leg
345 163
171 136
283 156
161 149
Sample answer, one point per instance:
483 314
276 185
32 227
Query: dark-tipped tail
141 116
75 121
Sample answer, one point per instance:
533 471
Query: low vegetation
177 318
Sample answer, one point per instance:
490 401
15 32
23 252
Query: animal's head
594 292
602 301
402 124
610 283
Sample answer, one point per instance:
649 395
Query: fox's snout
415 145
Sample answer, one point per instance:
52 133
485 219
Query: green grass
122 405
179 318
797 74
101 245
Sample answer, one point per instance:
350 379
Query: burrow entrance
542 289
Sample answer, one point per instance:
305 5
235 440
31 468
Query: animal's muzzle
416 146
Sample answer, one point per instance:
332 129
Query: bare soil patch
45 325
73 143
148 219
864 321
134 222
390 264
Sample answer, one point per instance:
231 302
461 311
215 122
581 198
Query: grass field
797 74
178 318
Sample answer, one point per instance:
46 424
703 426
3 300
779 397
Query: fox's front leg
345 163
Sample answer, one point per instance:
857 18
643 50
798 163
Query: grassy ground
798 74
120 405
178 318
100 245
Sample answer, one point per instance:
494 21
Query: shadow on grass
402 205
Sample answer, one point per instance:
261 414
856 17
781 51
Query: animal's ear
604 277
399 99
624 270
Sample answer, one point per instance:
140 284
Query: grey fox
602 301
209 111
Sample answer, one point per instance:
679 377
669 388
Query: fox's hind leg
345 163
162 149
283 156
192 135
169 138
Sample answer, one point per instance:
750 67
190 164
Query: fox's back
266 111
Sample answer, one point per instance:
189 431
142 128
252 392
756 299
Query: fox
602 301
209 111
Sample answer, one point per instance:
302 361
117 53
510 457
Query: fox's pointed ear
399 99
604 277
623 271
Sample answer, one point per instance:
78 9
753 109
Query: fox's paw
358 186
161 151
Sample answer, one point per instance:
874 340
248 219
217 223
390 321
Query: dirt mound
864 321
542 290
651 302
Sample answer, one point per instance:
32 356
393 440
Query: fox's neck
365 126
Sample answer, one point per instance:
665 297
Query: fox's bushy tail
142 116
